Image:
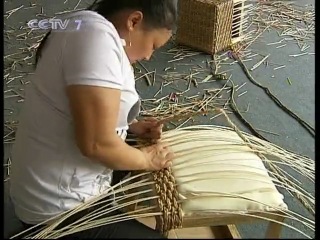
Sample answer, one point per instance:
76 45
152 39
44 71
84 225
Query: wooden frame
223 226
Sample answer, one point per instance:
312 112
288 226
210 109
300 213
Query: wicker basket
205 24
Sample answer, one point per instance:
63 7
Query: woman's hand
148 128
158 156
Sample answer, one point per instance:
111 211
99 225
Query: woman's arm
95 113
91 66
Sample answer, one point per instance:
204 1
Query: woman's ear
134 20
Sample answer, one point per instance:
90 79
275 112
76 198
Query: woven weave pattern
205 24
168 201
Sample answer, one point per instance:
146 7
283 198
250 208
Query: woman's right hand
158 156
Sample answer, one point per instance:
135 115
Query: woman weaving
79 107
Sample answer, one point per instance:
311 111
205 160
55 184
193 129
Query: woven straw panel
205 24
224 25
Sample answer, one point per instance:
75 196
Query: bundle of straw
217 170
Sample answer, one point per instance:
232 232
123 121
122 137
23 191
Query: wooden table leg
226 232
274 228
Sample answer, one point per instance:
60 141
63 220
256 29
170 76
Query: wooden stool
216 181
223 225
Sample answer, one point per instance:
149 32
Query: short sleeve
92 57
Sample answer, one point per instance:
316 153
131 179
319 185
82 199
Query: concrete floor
263 114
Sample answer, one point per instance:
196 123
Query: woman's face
142 42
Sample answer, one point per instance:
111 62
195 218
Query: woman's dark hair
157 13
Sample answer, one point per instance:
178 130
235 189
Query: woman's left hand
148 128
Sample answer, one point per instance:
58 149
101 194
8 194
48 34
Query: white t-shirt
49 173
